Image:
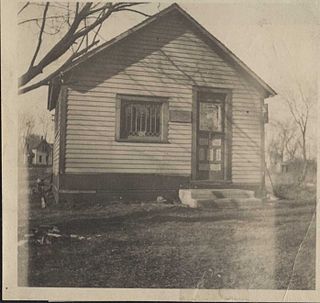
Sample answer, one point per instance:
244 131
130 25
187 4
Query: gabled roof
210 39
42 142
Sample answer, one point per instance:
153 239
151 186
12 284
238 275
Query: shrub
294 192
282 191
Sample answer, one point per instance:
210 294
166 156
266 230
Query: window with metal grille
142 119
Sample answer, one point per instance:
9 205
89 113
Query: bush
294 192
282 191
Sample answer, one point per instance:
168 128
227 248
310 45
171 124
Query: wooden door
211 153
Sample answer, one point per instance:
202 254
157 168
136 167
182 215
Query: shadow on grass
146 247
100 223
97 224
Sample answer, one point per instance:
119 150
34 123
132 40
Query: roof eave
53 93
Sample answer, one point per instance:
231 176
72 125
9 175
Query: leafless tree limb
25 6
46 80
102 8
79 27
96 33
40 18
40 35
135 11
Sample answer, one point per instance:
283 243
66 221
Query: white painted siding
56 143
165 59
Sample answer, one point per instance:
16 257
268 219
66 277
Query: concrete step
218 198
222 193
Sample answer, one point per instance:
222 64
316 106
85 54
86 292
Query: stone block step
221 198
221 193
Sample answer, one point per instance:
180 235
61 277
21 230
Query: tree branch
73 34
40 35
133 10
40 18
90 27
102 8
46 80
77 10
97 32
57 50
25 6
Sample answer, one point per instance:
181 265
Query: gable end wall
165 59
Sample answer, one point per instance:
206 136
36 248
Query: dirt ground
158 245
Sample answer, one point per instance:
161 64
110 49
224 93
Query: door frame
227 126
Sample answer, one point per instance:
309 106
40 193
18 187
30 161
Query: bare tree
78 23
284 143
300 111
44 123
25 127
298 89
300 106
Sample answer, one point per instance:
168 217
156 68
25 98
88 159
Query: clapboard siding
127 170
55 156
166 59
56 143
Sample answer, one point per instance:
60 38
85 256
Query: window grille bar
155 120
142 119
150 120
131 118
135 120
141 116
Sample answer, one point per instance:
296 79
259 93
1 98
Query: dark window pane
140 119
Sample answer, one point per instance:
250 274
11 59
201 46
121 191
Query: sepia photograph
165 146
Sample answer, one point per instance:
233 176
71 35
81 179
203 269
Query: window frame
163 138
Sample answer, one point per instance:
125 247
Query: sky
276 39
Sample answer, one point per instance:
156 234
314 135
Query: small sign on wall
180 116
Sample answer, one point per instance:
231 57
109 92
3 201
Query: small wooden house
39 153
164 105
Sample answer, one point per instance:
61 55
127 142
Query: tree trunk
305 160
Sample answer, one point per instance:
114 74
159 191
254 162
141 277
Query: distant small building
296 166
40 154
289 171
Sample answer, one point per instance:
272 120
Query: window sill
143 141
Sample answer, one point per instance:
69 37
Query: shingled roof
213 42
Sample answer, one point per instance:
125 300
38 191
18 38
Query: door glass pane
216 142
210 154
203 141
215 167
210 117
218 154
201 154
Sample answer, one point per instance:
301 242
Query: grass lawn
169 246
